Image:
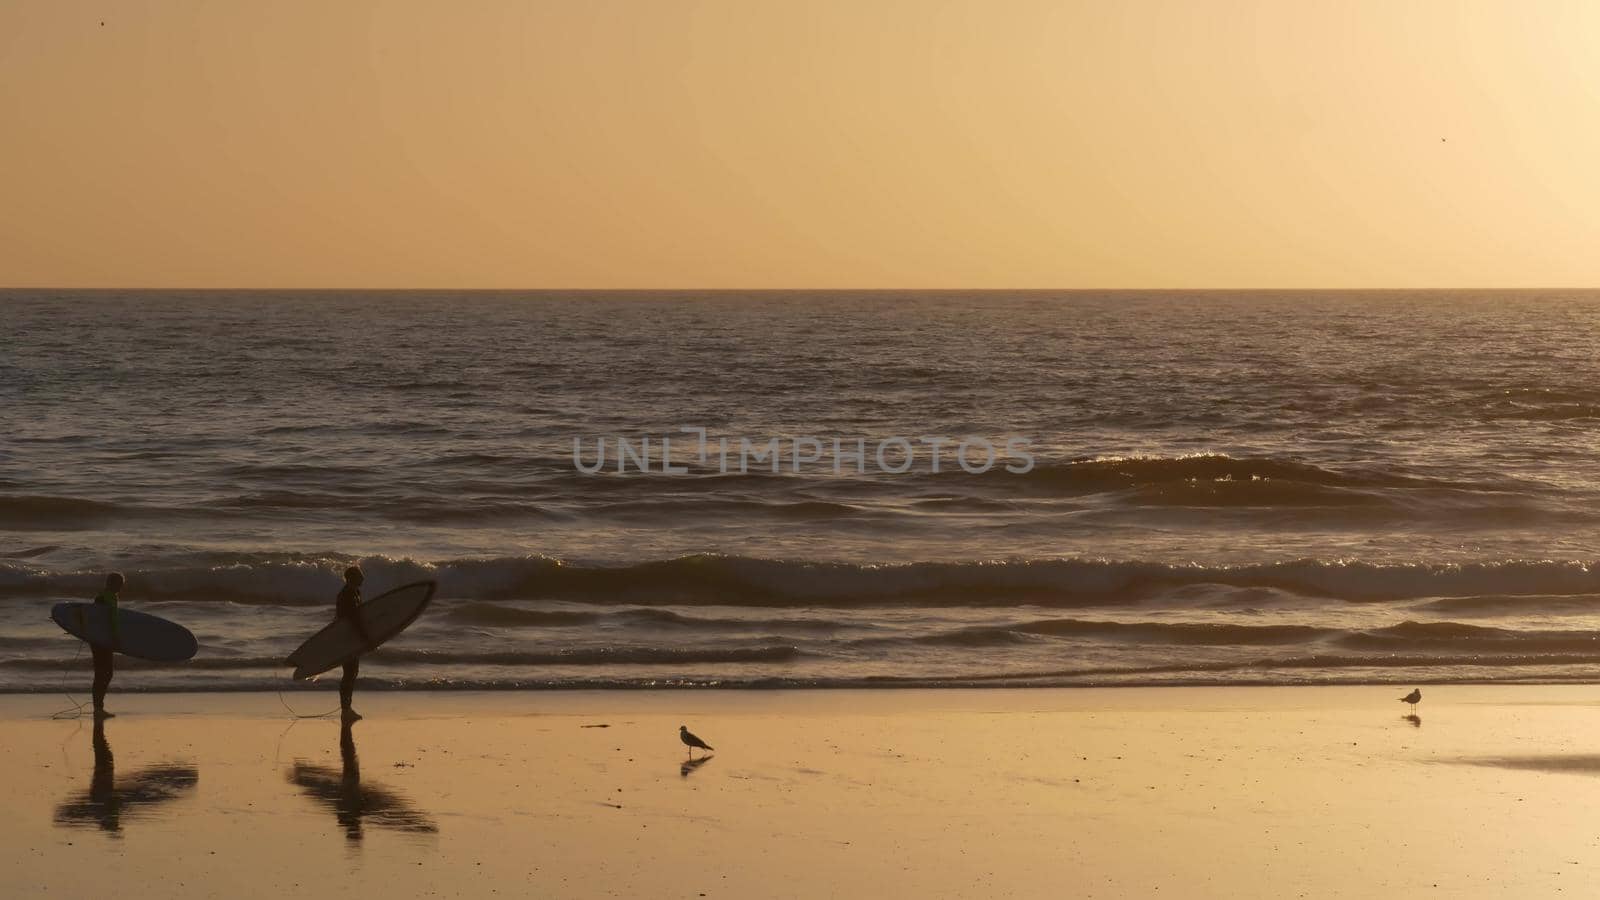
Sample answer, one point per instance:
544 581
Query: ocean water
1201 487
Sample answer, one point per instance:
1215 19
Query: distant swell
496 614
1222 481
41 512
492 614
452 489
1121 472
596 656
1178 633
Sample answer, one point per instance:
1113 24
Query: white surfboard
138 634
384 616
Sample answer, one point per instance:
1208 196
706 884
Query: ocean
1184 487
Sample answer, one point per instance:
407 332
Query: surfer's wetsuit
345 608
103 655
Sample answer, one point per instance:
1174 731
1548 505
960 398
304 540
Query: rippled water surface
1225 487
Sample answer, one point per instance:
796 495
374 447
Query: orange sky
826 143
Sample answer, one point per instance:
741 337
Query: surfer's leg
347 684
102 676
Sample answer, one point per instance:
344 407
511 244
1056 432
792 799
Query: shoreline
852 688
1326 790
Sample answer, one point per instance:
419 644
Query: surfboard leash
300 715
76 709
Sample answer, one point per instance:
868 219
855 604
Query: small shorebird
1413 698
690 741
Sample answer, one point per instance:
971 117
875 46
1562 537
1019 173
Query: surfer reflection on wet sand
353 804
109 801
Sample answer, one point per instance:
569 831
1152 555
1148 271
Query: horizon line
776 290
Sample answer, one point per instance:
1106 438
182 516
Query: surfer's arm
354 616
116 623
348 606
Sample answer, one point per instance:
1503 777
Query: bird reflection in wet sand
353 804
1414 720
109 800
689 765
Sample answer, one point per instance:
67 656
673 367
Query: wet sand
1185 792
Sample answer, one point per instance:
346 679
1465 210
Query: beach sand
1140 792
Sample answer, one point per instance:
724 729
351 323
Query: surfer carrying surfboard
104 656
358 627
348 606
109 630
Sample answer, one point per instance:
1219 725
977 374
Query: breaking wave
747 581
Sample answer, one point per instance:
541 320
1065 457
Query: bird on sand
1413 698
690 741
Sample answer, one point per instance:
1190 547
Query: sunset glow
831 144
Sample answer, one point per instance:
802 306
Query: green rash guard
107 598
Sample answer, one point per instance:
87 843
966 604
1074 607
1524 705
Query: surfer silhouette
103 656
348 606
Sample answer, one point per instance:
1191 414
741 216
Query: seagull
1413 698
690 741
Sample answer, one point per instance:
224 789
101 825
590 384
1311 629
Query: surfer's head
353 575
115 581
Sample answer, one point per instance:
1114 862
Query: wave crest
747 581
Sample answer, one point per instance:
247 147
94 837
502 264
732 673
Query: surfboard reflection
354 804
111 800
